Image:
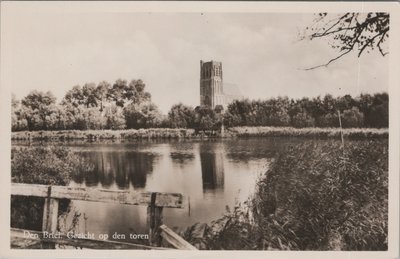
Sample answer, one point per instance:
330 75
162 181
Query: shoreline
170 133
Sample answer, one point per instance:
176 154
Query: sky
261 53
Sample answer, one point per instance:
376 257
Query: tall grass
314 196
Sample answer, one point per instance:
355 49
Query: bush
303 120
53 165
352 118
40 165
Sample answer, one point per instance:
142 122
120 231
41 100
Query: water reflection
121 168
210 175
182 157
212 167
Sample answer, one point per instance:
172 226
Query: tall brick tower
211 86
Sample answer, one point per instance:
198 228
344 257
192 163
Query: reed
314 196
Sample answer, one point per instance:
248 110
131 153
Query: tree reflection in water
123 168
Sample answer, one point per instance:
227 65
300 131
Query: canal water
213 175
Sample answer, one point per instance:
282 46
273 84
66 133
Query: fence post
50 216
154 220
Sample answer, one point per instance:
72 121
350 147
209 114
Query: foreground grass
167 133
315 196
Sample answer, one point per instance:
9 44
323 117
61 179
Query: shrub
40 165
302 120
352 118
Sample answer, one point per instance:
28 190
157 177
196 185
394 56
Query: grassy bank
349 133
167 133
157 133
314 196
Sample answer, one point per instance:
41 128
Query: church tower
211 87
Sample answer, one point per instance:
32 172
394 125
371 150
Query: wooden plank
174 239
18 234
24 243
168 200
154 221
29 189
50 215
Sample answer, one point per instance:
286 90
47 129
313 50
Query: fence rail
155 202
166 200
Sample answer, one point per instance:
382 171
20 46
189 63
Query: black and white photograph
144 129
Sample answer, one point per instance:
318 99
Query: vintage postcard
200 129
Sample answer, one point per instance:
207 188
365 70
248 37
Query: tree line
124 105
370 111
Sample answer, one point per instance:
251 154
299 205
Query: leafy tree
231 120
74 96
279 113
102 93
90 96
18 121
242 109
39 106
207 119
93 118
86 96
349 32
115 118
345 102
302 120
329 120
181 116
122 93
117 92
352 118
135 92
143 115
378 115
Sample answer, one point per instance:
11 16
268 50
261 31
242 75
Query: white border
19 8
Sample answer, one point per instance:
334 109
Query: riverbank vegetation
323 133
50 165
314 196
124 105
167 133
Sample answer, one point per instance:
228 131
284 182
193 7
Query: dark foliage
366 110
104 106
129 106
40 165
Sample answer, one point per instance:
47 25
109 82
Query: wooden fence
155 202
